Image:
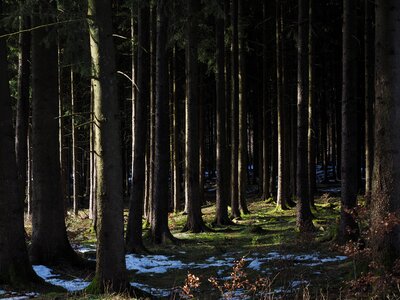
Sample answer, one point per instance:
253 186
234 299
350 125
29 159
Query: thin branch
39 27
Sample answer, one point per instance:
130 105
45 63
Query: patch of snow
70 285
255 265
85 249
152 263
332 259
298 283
153 291
238 294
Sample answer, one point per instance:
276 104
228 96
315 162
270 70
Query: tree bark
386 181
304 217
134 241
110 263
74 135
194 221
22 117
14 261
283 185
221 216
243 152
311 134
235 212
159 216
369 96
49 237
348 226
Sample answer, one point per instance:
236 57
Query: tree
49 237
110 264
134 242
311 109
386 181
235 212
369 95
194 221
221 217
283 183
242 116
14 261
22 117
159 216
304 217
348 225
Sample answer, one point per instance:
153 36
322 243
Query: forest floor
262 256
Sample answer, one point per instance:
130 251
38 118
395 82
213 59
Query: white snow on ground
153 291
158 264
14 296
255 264
70 285
85 249
152 263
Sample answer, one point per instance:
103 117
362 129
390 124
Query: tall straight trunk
202 141
14 261
228 97
369 96
194 221
49 237
386 181
283 184
22 117
110 263
348 226
304 217
267 142
311 109
273 101
92 162
150 171
242 150
159 216
74 136
134 242
235 212
61 134
176 178
221 215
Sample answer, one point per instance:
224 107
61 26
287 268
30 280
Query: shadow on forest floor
267 242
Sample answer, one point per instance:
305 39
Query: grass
266 229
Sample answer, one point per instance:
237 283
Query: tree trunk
159 225
235 212
311 109
74 136
304 217
22 117
386 182
221 216
49 237
194 221
348 226
176 177
283 185
134 242
369 96
267 142
14 261
243 152
110 263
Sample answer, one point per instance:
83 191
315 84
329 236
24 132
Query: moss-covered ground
255 236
